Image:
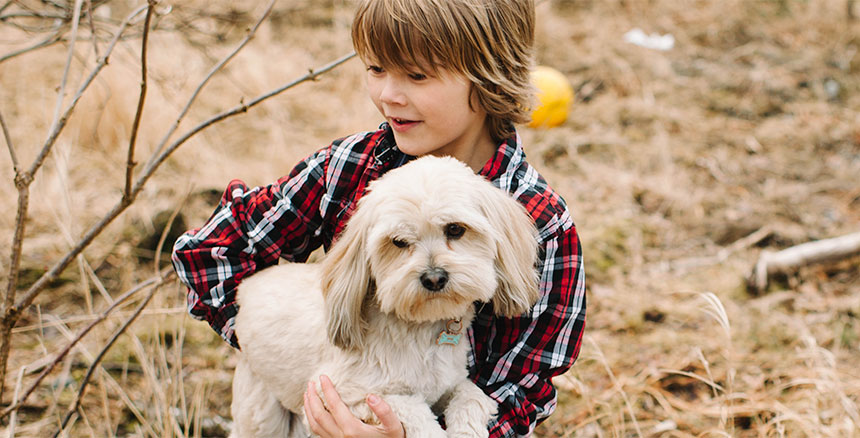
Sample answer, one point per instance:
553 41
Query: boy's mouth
399 123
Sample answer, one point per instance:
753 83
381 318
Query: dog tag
446 338
451 334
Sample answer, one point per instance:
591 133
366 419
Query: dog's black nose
434 279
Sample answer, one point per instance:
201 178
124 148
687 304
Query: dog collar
451 335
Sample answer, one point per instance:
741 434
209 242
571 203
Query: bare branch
12 312
129 171
161 278
52 138
206 79
10 315
94 231
22 181
85 382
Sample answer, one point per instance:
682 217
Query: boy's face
430 113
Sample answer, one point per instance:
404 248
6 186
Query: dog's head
431 238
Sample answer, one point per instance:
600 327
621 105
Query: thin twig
129 171
8 138
50 40
85 382
162 277
723 254
76 17
209 76
92 28
238 109
32 14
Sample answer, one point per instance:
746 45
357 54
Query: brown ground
749 126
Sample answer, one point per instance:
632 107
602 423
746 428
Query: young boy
450 77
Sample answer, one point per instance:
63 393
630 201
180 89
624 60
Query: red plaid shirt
513 360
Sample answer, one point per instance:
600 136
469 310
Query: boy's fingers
312 422
388 420
341 413
319 420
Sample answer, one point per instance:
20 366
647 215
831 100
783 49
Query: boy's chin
413 148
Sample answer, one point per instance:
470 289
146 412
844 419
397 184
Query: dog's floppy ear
516 253
345 280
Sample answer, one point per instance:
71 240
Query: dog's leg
256 413
468 412
417 418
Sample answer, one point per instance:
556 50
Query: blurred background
715 133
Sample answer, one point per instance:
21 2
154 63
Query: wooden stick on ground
819 251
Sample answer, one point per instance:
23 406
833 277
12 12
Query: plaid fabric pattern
514 359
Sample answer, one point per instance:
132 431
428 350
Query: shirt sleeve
524 353
250 230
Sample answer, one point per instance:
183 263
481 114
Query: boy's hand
337 421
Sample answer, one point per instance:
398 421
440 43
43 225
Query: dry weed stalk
154 282
617 386
13 306
715 309
94 365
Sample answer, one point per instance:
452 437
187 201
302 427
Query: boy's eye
375 69
417 76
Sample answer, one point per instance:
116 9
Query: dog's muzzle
434 279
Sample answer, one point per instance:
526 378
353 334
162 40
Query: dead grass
752 120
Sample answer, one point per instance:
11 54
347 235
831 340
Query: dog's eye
399 243
454 231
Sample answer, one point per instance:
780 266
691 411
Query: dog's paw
469 412
363 413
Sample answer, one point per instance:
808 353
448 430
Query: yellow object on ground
554 95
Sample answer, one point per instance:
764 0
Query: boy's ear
346 279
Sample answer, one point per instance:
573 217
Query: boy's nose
392 92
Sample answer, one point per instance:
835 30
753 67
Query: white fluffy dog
386 311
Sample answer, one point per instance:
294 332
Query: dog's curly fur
429 240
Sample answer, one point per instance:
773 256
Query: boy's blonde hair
490 42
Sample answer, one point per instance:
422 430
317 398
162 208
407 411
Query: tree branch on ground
789 259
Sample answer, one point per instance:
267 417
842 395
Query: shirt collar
508 156
386 150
